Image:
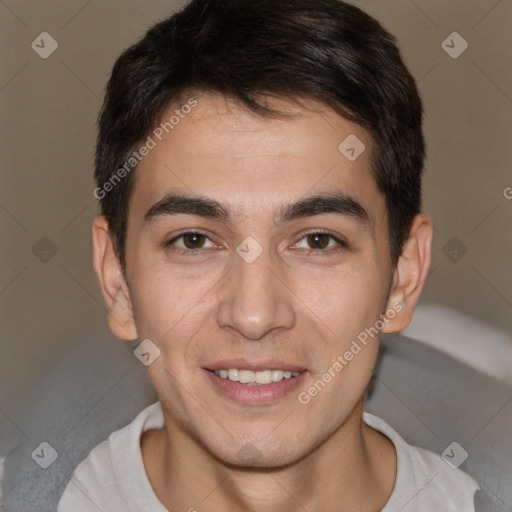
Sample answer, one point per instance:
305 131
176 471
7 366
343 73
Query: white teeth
245 376
277 375
260 377
233 375
263 377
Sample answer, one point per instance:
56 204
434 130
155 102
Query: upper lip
243 364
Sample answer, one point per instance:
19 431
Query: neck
353 469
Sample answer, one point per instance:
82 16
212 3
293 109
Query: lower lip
255 395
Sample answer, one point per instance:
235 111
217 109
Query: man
259 170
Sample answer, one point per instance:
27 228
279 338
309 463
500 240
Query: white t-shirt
112 478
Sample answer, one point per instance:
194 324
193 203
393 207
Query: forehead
219 149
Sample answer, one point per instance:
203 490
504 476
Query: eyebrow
330 202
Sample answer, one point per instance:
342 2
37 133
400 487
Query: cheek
347 306
349 311
345 300
170 310
171 304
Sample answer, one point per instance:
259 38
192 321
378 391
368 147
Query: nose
255 300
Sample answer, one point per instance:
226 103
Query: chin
253 456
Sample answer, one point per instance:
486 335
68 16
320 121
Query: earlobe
410 274
113 285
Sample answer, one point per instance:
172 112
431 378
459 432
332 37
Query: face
256 249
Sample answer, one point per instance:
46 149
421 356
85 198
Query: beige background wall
49 298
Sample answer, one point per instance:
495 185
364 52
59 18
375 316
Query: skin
301 301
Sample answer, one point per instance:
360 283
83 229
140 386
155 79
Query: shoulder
112 470
93 484
424 480
433 400
446 485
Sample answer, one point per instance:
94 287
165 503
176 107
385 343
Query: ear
410 274
113 285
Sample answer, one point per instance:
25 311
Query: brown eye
190 241
193 240
318 240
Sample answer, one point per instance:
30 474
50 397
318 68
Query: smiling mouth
255 378
255 384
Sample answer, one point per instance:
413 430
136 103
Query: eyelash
341 243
